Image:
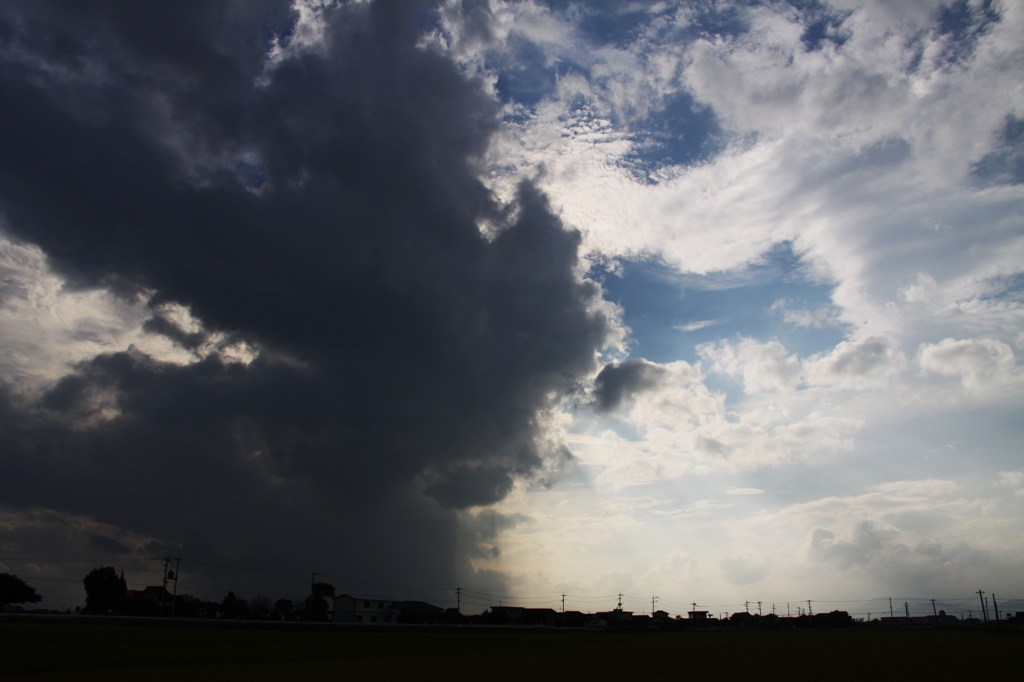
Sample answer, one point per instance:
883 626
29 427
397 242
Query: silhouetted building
743 619
920 621
147 601
519 615
506 615
832 619
614 618
420 612
573 619
366 610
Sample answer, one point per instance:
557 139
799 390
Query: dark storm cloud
620 380
107 545
325 212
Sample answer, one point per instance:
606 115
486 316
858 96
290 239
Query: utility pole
694 605
177 571
312 596
788 614
458 599
759 607
906 608
890 608
810 612
981 598
619 607
934 612
995 606
773 608
167 561
746 607
563 602
654 600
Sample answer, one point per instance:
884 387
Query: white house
350 609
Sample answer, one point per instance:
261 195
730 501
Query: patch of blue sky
961 23
623 23
822 24
524 76
618 24
713 19
1007 288
252 174
671 314
682 133
821 32
1005 164
946 442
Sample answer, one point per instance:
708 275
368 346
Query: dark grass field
93 651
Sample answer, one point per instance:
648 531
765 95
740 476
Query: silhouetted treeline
107 593
14 590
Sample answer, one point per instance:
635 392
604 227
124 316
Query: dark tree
14 590
284 609
105 591
260 607
234 607
321 601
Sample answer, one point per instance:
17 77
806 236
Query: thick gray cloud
324 211
618 381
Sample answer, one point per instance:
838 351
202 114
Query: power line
468 594
77 561
254 569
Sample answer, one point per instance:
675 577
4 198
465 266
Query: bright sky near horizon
713 301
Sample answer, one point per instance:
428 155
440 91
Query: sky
688 302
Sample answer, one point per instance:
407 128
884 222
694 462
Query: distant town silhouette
107 594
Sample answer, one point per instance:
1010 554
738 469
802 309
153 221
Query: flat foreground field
85 651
